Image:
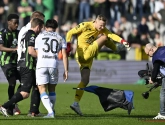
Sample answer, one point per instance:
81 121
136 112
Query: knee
24 94
104 38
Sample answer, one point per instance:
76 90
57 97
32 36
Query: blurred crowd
137 21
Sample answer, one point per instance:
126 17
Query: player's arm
116 38
76 30
2 48
36 44
65 59
31 44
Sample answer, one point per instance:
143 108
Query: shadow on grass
70 116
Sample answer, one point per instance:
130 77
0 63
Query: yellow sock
79 93
110 44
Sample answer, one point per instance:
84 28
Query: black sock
35 100
11 88
11 91
16 98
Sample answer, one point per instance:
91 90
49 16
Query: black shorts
28 79
10 70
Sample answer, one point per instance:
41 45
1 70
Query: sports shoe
50 115
32 114
16 110
75 107
159 116
4 111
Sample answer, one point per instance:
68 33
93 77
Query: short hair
36 21
51 23
101 17
37 14
148 46
12 16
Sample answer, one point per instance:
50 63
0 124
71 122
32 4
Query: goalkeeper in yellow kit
91 36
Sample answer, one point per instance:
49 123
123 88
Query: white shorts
46 75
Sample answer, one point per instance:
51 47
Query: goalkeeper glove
126 44
68 50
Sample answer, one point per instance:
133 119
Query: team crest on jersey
32 38
15 42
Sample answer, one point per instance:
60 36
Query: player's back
48 45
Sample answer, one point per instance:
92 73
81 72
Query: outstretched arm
116 38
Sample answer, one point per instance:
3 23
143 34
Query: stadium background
134 20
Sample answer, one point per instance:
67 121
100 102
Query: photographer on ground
158 60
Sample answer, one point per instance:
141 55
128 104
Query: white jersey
20 35
48 45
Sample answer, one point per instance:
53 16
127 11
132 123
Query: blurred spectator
134 39
151 26
39 6
123 6
70 6
158 5
125 27
84 10
137 6
116 27
160 16
157 40
142 27
144 39
25 11
6 7
49 11
100 7
114 11
146 7
152 6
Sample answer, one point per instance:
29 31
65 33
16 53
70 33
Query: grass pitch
145 109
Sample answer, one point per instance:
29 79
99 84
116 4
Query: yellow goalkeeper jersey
87 34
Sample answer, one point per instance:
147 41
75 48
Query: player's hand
126 44
65 76
14 49
150 81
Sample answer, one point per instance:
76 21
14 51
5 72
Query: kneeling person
47 44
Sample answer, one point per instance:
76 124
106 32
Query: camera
146 74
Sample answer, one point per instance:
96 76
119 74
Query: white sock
52 97
46 102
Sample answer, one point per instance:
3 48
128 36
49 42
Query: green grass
91 108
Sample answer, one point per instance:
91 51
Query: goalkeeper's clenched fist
125 43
